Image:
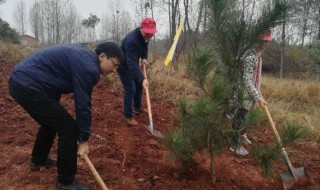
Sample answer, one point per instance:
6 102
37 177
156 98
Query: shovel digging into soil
293 174
150 127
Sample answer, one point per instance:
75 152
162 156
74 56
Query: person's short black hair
111 49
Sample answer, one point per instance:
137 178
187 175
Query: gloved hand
83 149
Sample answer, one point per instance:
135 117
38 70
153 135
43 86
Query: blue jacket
60 70
133 47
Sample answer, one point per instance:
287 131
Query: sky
85 7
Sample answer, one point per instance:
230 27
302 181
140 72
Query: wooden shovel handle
285 154
95 173
275 131
147 94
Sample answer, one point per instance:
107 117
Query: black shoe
49 163
75 185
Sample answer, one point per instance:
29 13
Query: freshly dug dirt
129 157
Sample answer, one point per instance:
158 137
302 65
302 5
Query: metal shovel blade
154 131
288 179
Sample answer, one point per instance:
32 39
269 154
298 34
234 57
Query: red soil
131 158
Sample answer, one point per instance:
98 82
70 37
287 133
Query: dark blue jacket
60 70
133 47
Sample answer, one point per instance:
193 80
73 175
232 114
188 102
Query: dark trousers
132 93
237 124
53 118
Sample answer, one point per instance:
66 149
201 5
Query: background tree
7 34
55 21
315 55
20 17
91 22
283 44
105 27
125 24
142 8
36 20
174 17
316 18
71 25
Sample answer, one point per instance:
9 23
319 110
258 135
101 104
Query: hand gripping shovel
150 128
95 173
293 174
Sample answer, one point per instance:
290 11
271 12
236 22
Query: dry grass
12 53
294 100
166 85
169 85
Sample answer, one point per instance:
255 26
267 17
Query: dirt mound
129 157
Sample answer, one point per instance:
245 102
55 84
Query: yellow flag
174 44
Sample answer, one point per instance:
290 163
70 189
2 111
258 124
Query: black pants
237 124
53 118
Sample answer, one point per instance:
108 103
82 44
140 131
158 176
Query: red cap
266 36
148 25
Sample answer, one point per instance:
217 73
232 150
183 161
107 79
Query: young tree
203 125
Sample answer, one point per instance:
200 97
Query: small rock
141 179
155 178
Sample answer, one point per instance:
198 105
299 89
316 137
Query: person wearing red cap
135 48
251 80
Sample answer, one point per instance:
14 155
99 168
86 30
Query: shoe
245 139
131 121
138 111
230 116
75 185
239 150
49 163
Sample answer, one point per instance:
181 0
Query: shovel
95 173
150 128
293 174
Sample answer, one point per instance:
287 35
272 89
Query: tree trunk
318 73
170 21
212 169
186 10
282 46
306 17
200 16
319 24
174 13
205 18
